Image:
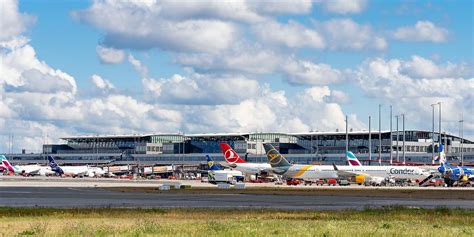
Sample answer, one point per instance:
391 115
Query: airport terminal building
303 148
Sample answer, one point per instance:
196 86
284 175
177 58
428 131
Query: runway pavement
99 197
69 193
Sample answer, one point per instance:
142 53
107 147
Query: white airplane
74 171
25 169
235 162
356 169
95 172
371 173
309 172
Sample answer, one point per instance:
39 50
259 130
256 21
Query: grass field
218 222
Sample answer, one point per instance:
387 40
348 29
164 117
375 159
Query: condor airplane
24 169
234 161
355 169
281 166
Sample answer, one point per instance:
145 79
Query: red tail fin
230 155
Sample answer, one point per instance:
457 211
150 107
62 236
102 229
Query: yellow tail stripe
302 170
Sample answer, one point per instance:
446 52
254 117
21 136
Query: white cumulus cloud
302 72
419 67
422 31
292 35
200 89
12 22
101 83
138 66
345 34
144 26
110 55
343 6
387 80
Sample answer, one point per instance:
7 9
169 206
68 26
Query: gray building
305 148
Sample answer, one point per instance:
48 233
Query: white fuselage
327 171
75 170
311 172
33 170
253 168
95 172
398 172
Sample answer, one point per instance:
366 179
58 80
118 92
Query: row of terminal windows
465 149
154 148
415 148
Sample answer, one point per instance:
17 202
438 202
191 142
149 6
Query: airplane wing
32 170
470 177
346 174
227 165
269 170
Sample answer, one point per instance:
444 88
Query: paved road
98 197
38 181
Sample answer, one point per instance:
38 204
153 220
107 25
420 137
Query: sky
120 67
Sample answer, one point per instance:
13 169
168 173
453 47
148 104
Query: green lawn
221 222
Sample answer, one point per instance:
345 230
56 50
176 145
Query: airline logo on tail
7 164
279 164
274 157
352 159
54 166
230 155
211 164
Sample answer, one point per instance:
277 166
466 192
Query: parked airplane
370 173
378 173
24 169
234 161
218 175
74 171
453 174
281 166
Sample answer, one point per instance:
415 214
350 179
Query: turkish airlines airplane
234 161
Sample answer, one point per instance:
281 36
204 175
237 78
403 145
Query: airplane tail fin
211 164
6 163
352 159
274 157
442 156
54 166
230 155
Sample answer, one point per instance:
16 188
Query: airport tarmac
68 182
98 197
55 192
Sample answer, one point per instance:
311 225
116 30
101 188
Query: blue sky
303 66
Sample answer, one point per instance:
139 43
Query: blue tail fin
54 166
211 164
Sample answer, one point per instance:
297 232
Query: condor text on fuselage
396 172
